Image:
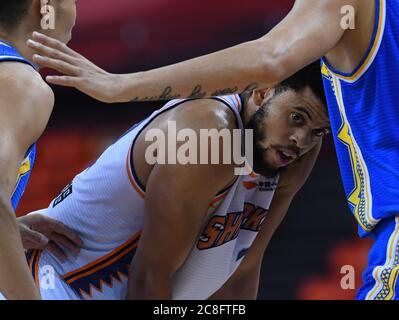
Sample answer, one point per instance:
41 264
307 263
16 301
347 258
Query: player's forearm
234 70
16 282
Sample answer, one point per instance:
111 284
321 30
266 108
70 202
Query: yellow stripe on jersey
386 276
4 44
324 71
25 167
360 197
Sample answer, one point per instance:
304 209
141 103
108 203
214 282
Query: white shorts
53 287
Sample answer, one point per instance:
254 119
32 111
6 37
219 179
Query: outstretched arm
309 31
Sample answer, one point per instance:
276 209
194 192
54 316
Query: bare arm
177 200
25 106
309 31
244 283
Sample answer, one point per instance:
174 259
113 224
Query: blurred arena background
318 236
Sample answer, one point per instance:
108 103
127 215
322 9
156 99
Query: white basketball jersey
105 206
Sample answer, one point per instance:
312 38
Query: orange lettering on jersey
255 219
249 184
248 210
231 228
211 233
222 229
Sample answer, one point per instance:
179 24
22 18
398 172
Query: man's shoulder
24 84
26 102
204 114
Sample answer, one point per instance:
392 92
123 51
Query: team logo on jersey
64 194
264 186
222 229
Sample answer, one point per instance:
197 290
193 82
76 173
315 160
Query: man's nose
301 137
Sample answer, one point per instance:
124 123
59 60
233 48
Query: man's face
65 19
286 126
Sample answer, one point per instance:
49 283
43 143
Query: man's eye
321 132
297 118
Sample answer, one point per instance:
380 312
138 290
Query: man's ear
34 13
35 6
261 95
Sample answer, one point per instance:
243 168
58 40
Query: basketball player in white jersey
187 231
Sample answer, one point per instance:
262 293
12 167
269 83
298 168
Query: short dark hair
310 76
12 12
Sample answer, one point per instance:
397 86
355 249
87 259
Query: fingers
52 247
56 64
28 245
62 230
63 241
57 251
50 52
65 81
54 43
32 239
53 54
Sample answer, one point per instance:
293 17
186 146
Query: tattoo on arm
224 92
227 91
197 93
165 95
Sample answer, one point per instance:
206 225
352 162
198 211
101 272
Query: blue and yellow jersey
8 53
23 176
364 113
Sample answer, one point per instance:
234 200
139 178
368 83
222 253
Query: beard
257 124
